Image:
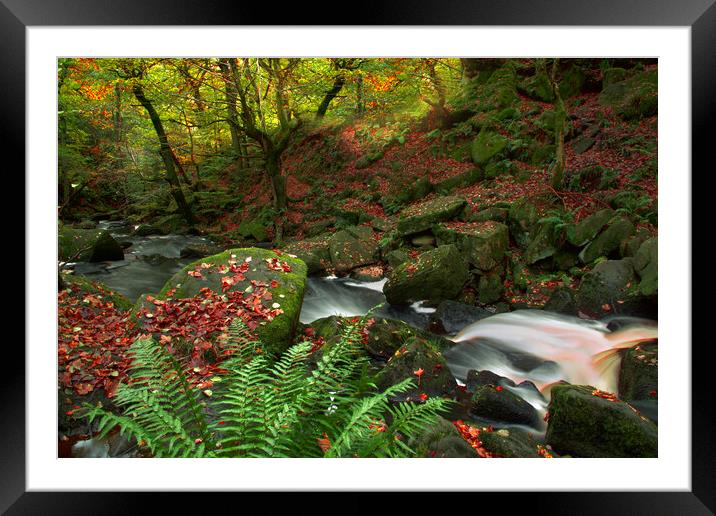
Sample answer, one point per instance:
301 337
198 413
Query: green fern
266 408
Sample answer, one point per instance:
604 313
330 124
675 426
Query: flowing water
148 263
525 345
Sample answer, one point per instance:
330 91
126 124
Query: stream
524 346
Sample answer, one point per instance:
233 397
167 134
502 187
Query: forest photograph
357 257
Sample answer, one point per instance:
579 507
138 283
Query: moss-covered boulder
253 228
537 87
522 221
284 275
87 245
451 316
421 360
608 241
546 242
383 336
200 250
486 146
148 230
499 404
421 217
492 213
511 443
460 180
638 375
315 252
490 287
396 257
584 424
584 231
609 283
86 286
562 301
646 264
441 441
483 244
634 97
352 247
435 275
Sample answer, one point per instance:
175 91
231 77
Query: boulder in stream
285 277
584 422
87 245
436 275
353 247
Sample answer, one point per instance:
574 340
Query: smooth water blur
348 297
148 263
545 347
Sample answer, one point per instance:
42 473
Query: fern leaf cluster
264 407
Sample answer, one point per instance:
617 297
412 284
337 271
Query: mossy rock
97 288
608 241
633 98
486 146
500 88
524 215
87 245
490 287
441 441
499 404
435 275
421 217
591 178
646 264
571 82
548 239
352 247
314 252
384 336
584 425
452 316
483 244
460 180
492 213
541 153
277 334
416 354
611 287
613 75
396 257
583 232
537 87
562 301
200 250
253 229
510 443
148 230
638 375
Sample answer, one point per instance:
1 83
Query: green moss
487 145
482 243
277 334
436 275
87 245
421 217
100 289
584 425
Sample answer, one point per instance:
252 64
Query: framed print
425 236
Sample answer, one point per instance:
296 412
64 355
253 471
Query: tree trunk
560 117
338 83
167 155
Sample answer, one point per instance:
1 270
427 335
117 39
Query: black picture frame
700 15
